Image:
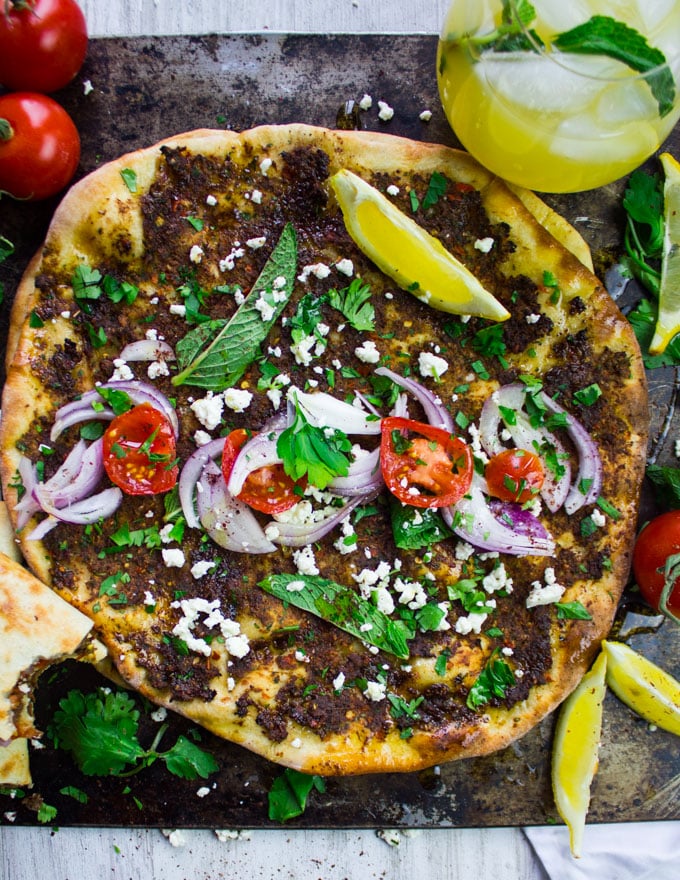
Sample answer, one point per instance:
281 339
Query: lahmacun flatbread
355 628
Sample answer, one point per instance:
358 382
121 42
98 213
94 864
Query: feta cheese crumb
208 410
175 838
256 243
196 254
159 715
367 352
203 791
425 116
201 438
201 568
545 594
598 518
87 87
431 365
375 691
157 369
305 562
178 309
392 190
256 197
345 267
339 681
484 244
532 319
385 113
366 102
211 200
173 557
265 165
237 399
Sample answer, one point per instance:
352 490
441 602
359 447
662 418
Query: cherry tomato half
267 489
39 146
42 44
658 540
423 466
139 451
515 475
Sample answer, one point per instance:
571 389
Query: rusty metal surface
146 89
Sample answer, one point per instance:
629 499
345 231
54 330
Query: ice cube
578 138
625 103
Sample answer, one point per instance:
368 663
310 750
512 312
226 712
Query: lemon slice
668 320
575 749
642 685
413 258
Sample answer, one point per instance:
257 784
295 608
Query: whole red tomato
658 540
42 44
39 146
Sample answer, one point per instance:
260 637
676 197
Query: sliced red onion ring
400 408
147 350
29 480
435 411
81 410
364 475
296 535
191 474
57 493
518 519
589 462
43 528
325 411
473 520
259 451
555 489
229 522
89 510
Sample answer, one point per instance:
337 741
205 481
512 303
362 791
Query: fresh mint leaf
289 793
340 606
414 528
492 682
572 611
604 35
307 450
216 354
354 304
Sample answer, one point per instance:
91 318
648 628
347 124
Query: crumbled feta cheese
431 365
256 243
201 438
345 267
156 369
339 681
472 623
305 562
476 444
173 557
366 102
266 309
367 352
318 270
87 87
296 743
201 568
237 399
148 598
228 263
121 372
66 315
497 579
295 586
385 112
178 309
302 350
484 244
265 165
425 116
208 410
211 200
411 593
532 319
545 594
159 715
347 543
392 190
256 197
598 518
391 836
196 254
375 691
464 550
203 791
175 838
384 601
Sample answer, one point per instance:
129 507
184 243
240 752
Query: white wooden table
93 854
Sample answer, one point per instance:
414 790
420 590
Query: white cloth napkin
629 851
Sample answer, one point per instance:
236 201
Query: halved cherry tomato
658 540
515 475
424 466
139 451
39 146
267 489
42 44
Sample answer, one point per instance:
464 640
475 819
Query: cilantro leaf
187 760
340 606
215 354
308 450
493 681
604 35
289 792
353 303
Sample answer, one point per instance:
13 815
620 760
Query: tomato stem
6 130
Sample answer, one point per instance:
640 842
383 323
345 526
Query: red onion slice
555 489
28 504
81 410
435 412
473 520
364 475
589 462
191 474
295 535
229 522
147 350
88 510
259 451
325 411
57 493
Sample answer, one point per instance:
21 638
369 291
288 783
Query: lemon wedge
668 320
642 685
406 252
575 750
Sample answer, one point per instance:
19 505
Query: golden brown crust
14 763
100 217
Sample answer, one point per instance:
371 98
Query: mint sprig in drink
561 96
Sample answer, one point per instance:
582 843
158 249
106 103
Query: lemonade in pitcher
561 95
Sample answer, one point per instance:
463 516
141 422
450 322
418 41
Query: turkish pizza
301 505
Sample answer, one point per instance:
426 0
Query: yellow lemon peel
668 319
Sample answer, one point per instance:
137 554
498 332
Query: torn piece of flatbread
36 628
14 764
